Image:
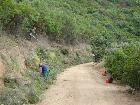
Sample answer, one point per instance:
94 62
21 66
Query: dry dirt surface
84 85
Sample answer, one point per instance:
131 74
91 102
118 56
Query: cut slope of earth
83 85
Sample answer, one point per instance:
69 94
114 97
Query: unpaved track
83 85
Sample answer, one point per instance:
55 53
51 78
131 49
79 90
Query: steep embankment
9 52
20 79
12 57
83 85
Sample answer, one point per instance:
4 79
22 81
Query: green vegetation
124 64
112 27
71 20
117 44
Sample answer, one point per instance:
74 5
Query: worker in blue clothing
44 70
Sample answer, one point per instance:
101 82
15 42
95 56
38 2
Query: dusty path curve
83 85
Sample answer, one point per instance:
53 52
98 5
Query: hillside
62 33
71 20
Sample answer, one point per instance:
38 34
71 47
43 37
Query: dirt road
83 85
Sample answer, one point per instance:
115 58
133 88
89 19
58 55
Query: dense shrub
124 63
98 47
100 43
70 21
13 14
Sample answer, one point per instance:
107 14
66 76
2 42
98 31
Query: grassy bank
28 87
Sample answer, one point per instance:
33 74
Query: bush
115 63
41 53
10 96
32 62
99 44
124 63
14 14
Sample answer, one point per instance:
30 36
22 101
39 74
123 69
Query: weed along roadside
27 88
